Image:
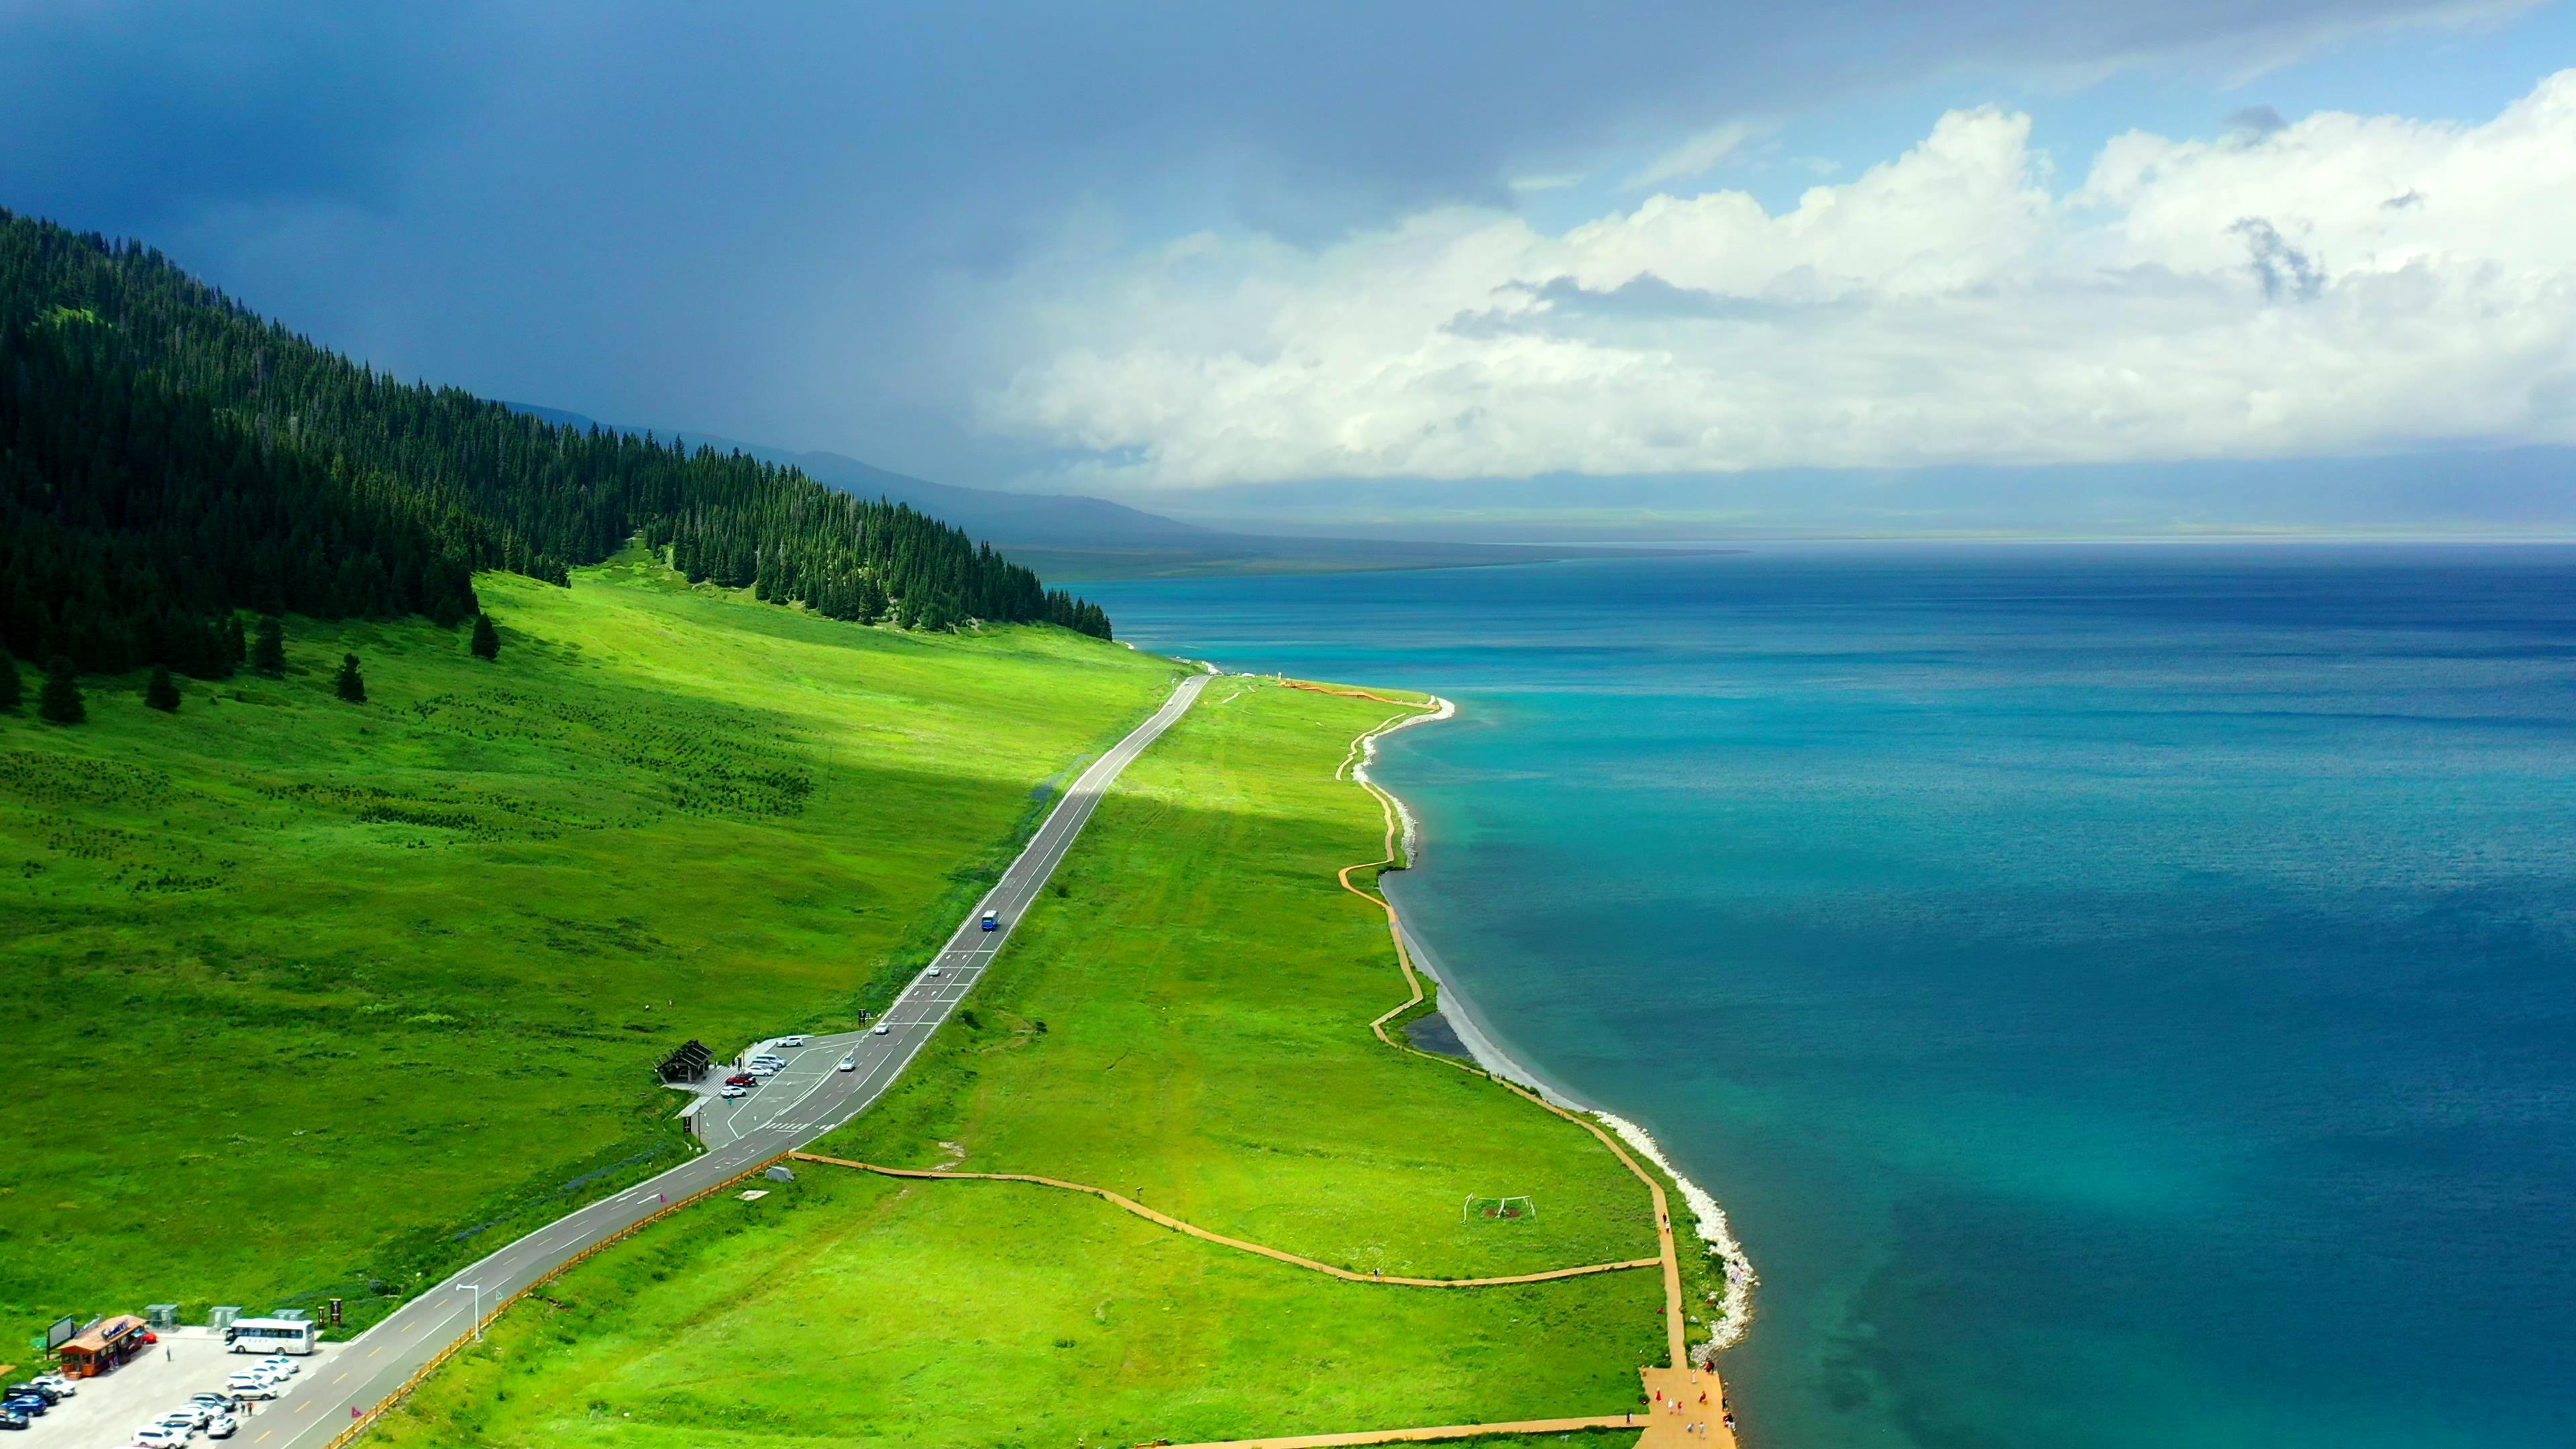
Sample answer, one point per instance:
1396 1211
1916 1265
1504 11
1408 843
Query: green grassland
849 1309
1185 1023
311 997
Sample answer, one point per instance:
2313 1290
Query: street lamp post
478 1307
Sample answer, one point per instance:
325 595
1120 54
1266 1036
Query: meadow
1185 1022
318 999
856 1310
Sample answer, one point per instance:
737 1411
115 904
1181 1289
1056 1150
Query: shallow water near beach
2122 996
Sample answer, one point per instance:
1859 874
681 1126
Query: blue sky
1246 262
2466 72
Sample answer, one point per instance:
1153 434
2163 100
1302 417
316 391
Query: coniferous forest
169 459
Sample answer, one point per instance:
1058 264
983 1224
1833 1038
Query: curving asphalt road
797 1106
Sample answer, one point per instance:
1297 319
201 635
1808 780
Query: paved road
809 1099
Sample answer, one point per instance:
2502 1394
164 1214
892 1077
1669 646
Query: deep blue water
2123 996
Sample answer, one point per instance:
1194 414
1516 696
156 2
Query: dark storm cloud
153 115
740 217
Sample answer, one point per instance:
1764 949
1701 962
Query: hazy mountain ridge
1007 520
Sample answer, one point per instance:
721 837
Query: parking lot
109 1408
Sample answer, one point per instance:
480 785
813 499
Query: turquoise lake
2122 996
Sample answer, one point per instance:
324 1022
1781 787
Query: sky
1496 268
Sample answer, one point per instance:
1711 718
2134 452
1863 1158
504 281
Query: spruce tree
61 702
352 686
268 652
487 640
12 689
163 692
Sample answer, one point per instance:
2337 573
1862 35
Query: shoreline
1735 1310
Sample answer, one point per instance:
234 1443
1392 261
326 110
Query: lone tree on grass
352 685
163 692
487 640
268 650
12 689
61 701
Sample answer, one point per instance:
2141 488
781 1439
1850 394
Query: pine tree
268 653
163 692
487 640
61 702
12 689
352 686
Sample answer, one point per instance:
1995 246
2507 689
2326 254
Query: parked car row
216 1413
758 1070
22 1404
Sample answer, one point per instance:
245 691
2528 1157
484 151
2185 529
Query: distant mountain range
1068 536
1005 520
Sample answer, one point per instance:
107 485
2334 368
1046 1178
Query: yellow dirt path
1685 1407
1445 1431
1175 1224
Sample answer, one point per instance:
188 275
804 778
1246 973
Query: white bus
272 1335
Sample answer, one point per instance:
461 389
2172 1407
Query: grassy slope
304 988
1204 988
853 1310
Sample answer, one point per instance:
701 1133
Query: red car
742 1079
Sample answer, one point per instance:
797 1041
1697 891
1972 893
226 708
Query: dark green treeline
168 458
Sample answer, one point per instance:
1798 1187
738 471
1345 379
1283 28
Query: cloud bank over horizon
2332 284
1191 254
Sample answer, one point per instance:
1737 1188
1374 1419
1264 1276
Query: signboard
60 1333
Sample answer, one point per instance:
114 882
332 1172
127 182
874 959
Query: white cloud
1694 157
2342 284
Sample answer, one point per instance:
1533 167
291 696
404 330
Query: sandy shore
1735 1311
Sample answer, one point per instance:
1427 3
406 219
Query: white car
791 1041
731 1092
193 1416
849 1064
280 1363
160 1436
223 1427
762 1070
61 1386
882 1029
250 1386
934 970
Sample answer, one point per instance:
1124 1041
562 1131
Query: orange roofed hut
109 1342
